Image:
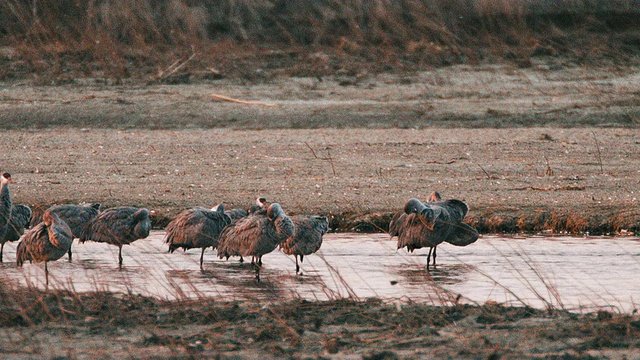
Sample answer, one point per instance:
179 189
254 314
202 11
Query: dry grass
535 220
206 327
120 39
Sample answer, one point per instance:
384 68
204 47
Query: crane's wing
76 216
241 238
307 236
32 239
20 219
396 223
112 225
457 208
196 228
236 214
462 235
416 233
21 215
176 230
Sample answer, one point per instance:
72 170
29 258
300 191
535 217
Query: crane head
6 178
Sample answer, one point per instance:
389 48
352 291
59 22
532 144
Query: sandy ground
549 148
526 148
522 179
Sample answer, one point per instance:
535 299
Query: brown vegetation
56 323
149 39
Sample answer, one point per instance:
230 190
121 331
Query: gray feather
236 214
196 228
48 241
76 216
20 219
462 235
307 237
5 201
118 226
257 234
431 223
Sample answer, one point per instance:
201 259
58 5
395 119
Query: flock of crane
235 233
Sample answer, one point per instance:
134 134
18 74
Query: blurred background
136 38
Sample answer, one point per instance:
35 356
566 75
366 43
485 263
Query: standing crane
19 221
197 228
5 200
118 226
256 235
399 218
76 216
307 237
47 241
429 224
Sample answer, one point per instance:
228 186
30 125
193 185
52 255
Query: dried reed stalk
598 154
243 102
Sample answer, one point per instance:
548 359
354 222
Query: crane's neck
5 203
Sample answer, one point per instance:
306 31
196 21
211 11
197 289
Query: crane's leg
70 254
297 266
46 274
120 256
241 259
1 248
429 258
260 260
434 255
201 258
257 272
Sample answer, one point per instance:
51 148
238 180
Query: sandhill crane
197 228
260 206
118 226
235 214
431 223
398 219
20 219
5 200
13 218
307 237
76 216
256 235
47 241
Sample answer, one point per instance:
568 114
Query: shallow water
579 274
